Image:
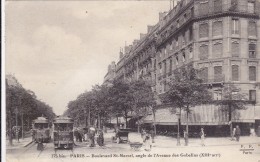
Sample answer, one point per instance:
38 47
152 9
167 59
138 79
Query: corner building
220 37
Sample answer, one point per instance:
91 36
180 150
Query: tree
143 99
185 91
121 99
232 100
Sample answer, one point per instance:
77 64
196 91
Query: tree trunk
154 125
117 121
99 121
138 128
187 127
126 125
230 120
89 117
22 126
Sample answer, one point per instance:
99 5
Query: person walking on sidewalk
202 137
237 133
233 134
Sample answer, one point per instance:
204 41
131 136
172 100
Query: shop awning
162 117
257 112
205 115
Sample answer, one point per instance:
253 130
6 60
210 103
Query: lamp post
178 134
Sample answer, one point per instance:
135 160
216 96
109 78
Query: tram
41 130
63 133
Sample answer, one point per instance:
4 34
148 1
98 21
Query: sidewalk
169 142
16 144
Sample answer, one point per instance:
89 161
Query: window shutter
217 28
252 28
235 49
252 73
217 5
204 50
235 72
217 50
204 30
218 73
204 8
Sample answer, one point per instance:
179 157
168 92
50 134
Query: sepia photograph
130 80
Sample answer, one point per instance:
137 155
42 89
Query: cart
136 145
121 136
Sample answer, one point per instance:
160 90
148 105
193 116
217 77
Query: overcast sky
60 49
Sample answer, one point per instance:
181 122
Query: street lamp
178 134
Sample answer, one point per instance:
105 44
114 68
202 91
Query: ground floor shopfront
212 118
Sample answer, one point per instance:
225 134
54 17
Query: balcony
215 79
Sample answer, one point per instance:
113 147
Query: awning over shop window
205 115
257 112
162 117
244 116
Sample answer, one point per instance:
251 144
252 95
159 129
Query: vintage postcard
131 80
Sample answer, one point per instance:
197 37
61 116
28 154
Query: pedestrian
233 134
202 137
76 134
152 135
147 142
92 136
237 133
100 138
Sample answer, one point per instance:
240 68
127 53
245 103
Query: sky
61 49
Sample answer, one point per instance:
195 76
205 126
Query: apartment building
220 37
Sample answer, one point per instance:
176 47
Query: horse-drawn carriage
121 135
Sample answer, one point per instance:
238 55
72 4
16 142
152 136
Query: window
191 52
235 26
204 7
235 49
251 7
252 28
170 69
203 74
190 34
235 73
217 95
164 67
160 67
183 57
217 28
177 42
177 60
217 5
218 74
178 23
204 50
252 50
217 50
252 95
154 64
171 46
234 4
204 30
252 73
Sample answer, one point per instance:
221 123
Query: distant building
220 37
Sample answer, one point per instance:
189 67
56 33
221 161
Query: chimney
135 42
162 15
142 35
121 54
149 28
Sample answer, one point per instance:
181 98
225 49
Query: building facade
219 37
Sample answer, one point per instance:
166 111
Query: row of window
217 95
217 28
235 69
204 7
217 50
